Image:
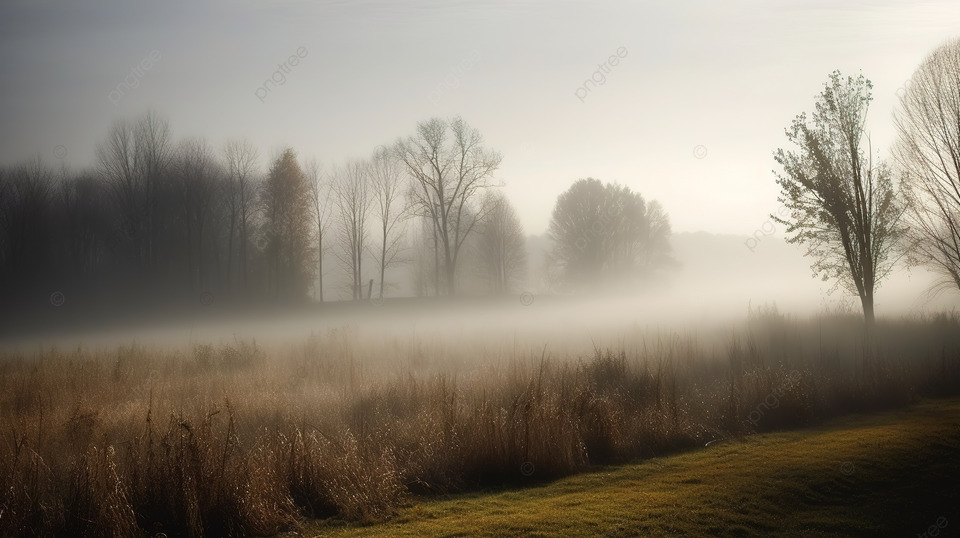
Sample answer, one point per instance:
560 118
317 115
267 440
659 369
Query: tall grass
235 440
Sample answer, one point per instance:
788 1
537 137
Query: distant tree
351 187
928 152
239 197
501 246
426 257
285 203
607 232
386 182
26 200
321 207
450 169
133 161
196 178
842 206
83 222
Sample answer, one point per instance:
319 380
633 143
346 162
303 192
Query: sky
690 114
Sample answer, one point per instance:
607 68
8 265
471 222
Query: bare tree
196 177
133 161
450 168
238 192
928 152
321 210
426 259
351 186
502 252
841 205
84 221
386 182
26 196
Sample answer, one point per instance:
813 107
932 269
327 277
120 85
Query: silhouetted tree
351 186
83 223
321 208
928 122
386 182
238 194
450 168
285 202
502 254
133 161
26 200
841 205
196 178
605 232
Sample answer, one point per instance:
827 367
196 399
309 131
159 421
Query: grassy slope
889 474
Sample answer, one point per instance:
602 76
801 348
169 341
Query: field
893 473
345 430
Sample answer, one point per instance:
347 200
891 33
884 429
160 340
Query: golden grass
234 439
889 474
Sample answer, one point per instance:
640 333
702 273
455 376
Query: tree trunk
867 301
320 263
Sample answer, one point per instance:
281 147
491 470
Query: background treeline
160 220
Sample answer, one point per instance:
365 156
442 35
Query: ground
895 473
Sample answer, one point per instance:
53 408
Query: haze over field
291 267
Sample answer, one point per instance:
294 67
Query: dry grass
235 440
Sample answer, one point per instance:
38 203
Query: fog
289 268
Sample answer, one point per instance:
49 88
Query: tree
928 152
606 232
285 202
840 205
238 192
351 187
133 160
26 198
450 168
386 182
501 246
196 178
321 210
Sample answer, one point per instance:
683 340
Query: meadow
245 438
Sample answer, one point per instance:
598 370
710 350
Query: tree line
158 219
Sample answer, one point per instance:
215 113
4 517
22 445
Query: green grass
888 474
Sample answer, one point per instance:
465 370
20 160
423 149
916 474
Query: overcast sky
690 116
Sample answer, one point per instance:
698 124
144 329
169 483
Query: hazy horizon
690 116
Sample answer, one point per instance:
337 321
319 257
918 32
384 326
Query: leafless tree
133 161
351 186
386 182
502 253
84 221
196 176
842 205
321 211
25 199
450 168
239 197
928 152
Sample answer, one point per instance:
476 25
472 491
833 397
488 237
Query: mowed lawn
886 474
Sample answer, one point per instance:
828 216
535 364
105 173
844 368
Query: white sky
725 75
